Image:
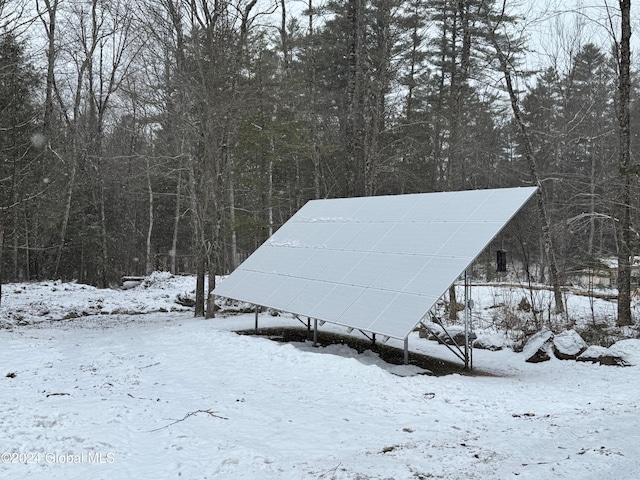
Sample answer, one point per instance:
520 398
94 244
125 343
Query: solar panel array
378 264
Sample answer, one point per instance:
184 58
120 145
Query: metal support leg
256 325
467 322
315 332
406 350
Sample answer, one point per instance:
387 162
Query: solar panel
377 264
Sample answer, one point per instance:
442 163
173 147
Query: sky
558 28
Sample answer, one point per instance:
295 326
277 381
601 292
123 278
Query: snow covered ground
88 389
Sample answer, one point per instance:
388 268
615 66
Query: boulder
129 284
439 333
186 299
624 353
539 348
568 345
592 354
491 341
432 330
453 335
460 338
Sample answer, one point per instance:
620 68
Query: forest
142 135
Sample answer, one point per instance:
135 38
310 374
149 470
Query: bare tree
47 12
15 16
85 70
149 254
459 78
623 54
203 94
506 64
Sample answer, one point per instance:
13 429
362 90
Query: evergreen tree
22 178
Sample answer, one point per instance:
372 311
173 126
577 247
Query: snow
27 303
540 342
593 353
569 344
627 350
286 244
90 390
492 341
305 219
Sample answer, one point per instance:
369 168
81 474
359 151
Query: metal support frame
256 324
406 350
458 351
465 352
371 338
315 332
306 324
468 328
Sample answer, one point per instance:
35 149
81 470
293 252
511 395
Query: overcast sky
557 28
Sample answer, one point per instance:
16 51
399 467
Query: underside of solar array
377 264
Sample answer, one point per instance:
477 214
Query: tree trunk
284 36
270 196
176 223
50 27
232 215
529 155
1 253
27 245
592 206
149 263
211 306
453 303
67 214
624 217
104 274
200 269
198 227
16 228
313 92
459 78
354 114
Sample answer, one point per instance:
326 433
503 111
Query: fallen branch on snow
57 394
190 414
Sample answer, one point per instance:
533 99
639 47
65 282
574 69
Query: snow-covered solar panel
377 264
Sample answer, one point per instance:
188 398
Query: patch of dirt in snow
389 354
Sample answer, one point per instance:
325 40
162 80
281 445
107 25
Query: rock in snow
539 347
592 354
624 353
568 345
491 341
453 333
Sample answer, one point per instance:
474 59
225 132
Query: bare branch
190 414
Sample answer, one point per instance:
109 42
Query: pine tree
21 179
